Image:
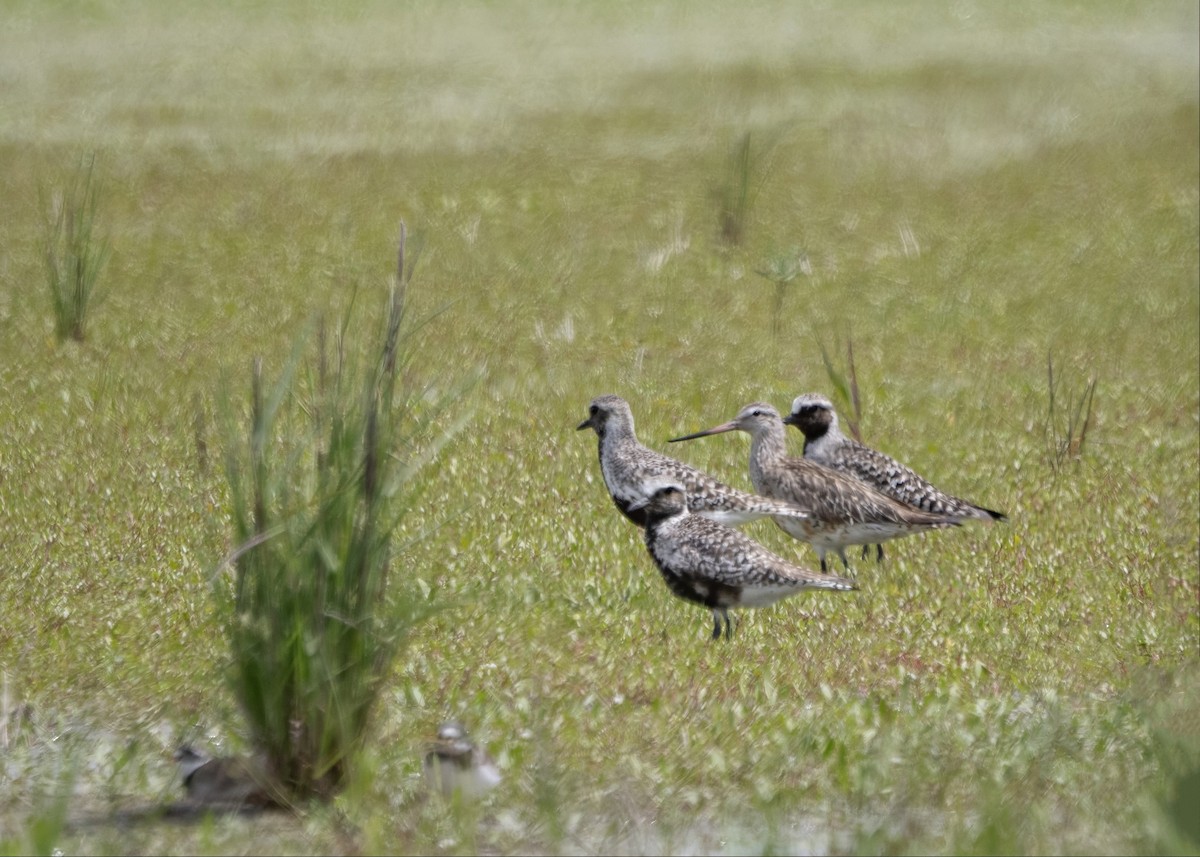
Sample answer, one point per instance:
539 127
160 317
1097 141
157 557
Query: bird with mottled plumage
844 510
627 465
825 444
717 566
227 781
455 764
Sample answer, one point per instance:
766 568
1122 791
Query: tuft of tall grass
735 193
199 433
1066 428
73 253
847 398
315 613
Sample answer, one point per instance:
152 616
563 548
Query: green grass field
976 187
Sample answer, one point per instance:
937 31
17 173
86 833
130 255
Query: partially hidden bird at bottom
455 765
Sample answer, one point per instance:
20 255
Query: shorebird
627 466
845 511
454 763
717 566
226 781
825 444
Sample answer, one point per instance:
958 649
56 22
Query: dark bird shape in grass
226 782
455 764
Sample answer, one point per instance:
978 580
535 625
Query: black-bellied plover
228 782
717 566
627 465
456 764
825 444
845 511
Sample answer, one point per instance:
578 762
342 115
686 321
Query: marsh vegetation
973 188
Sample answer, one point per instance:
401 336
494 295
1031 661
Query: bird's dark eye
593 410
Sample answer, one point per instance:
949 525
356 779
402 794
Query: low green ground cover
973 190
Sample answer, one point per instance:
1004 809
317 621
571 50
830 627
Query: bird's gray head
451 730
452 743
454 764
751 419
605 411
662 499
813 414
190 760
756 414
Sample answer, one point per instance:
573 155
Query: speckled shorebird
717 566
454 763
825 444
845 511
227 781
627 466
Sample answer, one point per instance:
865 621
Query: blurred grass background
975 187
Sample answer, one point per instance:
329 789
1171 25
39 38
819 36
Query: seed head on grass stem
781 269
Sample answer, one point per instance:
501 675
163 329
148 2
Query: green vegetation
317 488
735 192
781 269
974 187
1066 428
845 395
74 255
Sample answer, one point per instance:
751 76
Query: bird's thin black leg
728 625
845 562
716 635
879 554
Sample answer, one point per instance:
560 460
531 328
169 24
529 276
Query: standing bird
454 763
717 566
227 781
825 444
845 511
627 466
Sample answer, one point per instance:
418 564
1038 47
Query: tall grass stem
74 253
